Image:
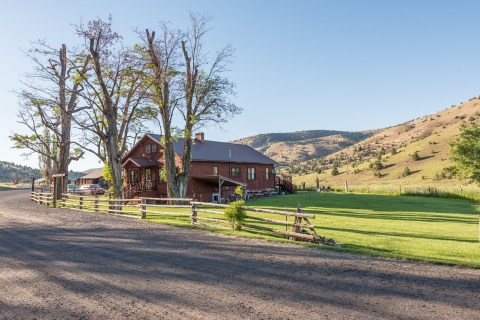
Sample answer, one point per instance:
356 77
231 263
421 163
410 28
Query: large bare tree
114 93
181 67
48 103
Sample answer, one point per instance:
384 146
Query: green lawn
415 228
405 227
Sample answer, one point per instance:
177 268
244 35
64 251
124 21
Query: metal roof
94 174
207 150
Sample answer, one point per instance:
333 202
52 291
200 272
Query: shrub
335 171
415 156
235 214
406 172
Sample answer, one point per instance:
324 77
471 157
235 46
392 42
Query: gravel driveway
65 264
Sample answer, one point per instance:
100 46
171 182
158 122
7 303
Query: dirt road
64 264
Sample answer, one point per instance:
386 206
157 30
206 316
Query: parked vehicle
73 188
91 189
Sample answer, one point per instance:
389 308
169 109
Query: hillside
382 159
294 147
7 169
24 172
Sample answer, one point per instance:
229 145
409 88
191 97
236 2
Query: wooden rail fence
42 197
201 213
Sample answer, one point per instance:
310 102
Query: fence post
346 186
95 204
143 209
194 213
80 204
64 197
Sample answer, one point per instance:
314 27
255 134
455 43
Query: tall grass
435 192
467 192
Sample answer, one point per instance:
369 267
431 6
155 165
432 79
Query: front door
148 179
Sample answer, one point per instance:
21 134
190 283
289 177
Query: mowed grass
415 228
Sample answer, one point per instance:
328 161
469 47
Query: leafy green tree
465 152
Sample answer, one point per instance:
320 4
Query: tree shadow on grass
386 203
398 234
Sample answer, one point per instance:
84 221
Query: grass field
414 228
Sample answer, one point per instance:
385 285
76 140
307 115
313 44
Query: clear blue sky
299 65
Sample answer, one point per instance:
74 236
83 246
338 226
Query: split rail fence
201 213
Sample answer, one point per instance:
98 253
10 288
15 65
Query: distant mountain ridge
387 157
26 173
293 147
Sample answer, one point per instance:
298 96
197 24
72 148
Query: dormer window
150 148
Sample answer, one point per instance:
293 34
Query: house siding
198 169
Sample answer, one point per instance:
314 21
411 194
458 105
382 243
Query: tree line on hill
15 173
96 96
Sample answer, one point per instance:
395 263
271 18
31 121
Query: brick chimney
199 136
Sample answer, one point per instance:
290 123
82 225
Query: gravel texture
65 264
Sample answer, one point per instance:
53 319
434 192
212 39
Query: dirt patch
58 264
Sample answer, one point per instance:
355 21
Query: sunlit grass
415 228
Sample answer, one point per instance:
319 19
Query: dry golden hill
428 136
293 147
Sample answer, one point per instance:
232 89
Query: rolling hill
388 156
7 169
293 147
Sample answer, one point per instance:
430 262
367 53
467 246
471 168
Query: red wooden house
216 169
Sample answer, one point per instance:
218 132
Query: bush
406 172
335 171
235 214
415 156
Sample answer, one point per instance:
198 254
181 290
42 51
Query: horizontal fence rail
200 213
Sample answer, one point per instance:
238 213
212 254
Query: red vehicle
91 189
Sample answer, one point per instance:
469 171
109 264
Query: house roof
143 162
94 174
207 150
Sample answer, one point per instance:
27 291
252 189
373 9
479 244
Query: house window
134 176
251 174
235 172
215 171
267 173
154 148
148 148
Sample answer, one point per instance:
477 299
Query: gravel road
65 264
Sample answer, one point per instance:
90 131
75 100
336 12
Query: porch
141 178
